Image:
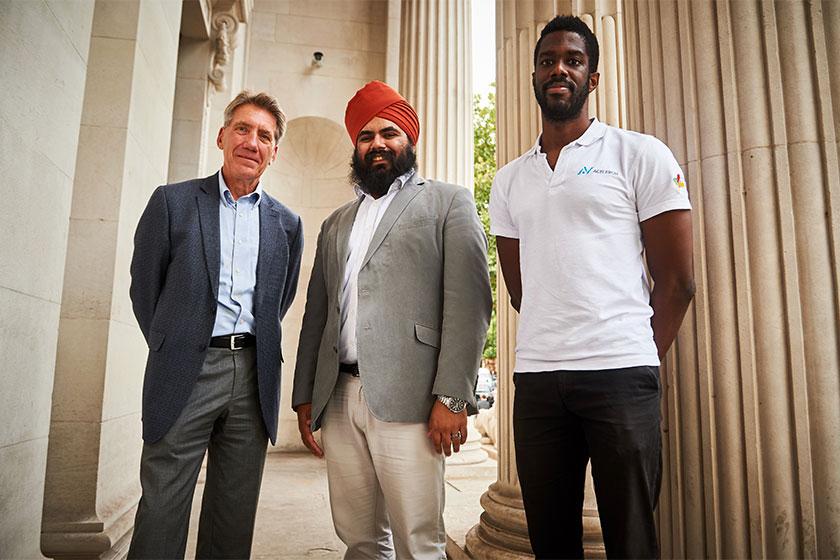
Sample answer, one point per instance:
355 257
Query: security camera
317 59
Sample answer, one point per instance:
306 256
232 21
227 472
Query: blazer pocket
427 335
156 339
418 222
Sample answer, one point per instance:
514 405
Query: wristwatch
454 404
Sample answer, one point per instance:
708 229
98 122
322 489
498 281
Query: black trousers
561 420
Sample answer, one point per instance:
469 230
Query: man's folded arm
150 259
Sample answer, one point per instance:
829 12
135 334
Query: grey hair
263 101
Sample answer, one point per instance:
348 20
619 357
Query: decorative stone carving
224 42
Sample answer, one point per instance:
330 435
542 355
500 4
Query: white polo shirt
585 295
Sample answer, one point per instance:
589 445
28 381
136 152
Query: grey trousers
223 419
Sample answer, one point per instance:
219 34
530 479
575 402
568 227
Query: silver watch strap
454 404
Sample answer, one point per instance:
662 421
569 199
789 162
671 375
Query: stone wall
45 46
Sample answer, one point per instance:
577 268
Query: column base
502 531
88 540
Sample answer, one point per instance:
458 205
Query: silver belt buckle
233 339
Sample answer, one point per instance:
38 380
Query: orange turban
377 99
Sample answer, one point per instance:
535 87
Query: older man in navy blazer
215 268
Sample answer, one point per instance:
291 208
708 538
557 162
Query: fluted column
747 95
436 78
502 531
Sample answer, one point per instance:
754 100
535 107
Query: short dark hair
575 25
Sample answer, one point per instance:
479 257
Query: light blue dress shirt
239 239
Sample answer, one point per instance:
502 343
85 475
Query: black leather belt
350 369
233 341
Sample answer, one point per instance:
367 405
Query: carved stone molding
502 533
225 25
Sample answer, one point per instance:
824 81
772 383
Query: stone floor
293 521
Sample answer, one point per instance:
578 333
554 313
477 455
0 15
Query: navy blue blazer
175 285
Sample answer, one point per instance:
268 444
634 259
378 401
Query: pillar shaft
747 95
502 531
91 484
436 78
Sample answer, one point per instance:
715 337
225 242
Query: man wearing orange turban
396 314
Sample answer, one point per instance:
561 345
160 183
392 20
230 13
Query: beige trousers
385 480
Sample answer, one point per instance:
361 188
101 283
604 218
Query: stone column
91 485
45 53
192 94
436 78
502 531
747 95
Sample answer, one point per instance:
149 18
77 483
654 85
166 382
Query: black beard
376 181
559 111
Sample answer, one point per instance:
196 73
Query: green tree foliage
484 169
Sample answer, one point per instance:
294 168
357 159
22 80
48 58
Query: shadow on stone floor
294 522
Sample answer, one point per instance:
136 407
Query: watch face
454 404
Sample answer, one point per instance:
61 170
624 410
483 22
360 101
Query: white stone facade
103 100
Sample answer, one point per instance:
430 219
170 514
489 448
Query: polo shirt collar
594 132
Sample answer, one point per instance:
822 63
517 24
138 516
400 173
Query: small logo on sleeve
593 170
679 181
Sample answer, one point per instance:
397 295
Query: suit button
335 348
202 347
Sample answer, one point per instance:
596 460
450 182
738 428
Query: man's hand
446 428
304 414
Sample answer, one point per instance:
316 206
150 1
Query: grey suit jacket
175 287
424 304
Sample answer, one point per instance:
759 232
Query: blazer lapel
208 215
342 238
405 195
274 249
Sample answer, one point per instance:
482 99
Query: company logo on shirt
678 180
592 169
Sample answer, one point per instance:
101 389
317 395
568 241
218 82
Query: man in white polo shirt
576 217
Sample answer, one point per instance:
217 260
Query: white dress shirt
367 219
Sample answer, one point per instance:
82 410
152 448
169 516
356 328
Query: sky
483 45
